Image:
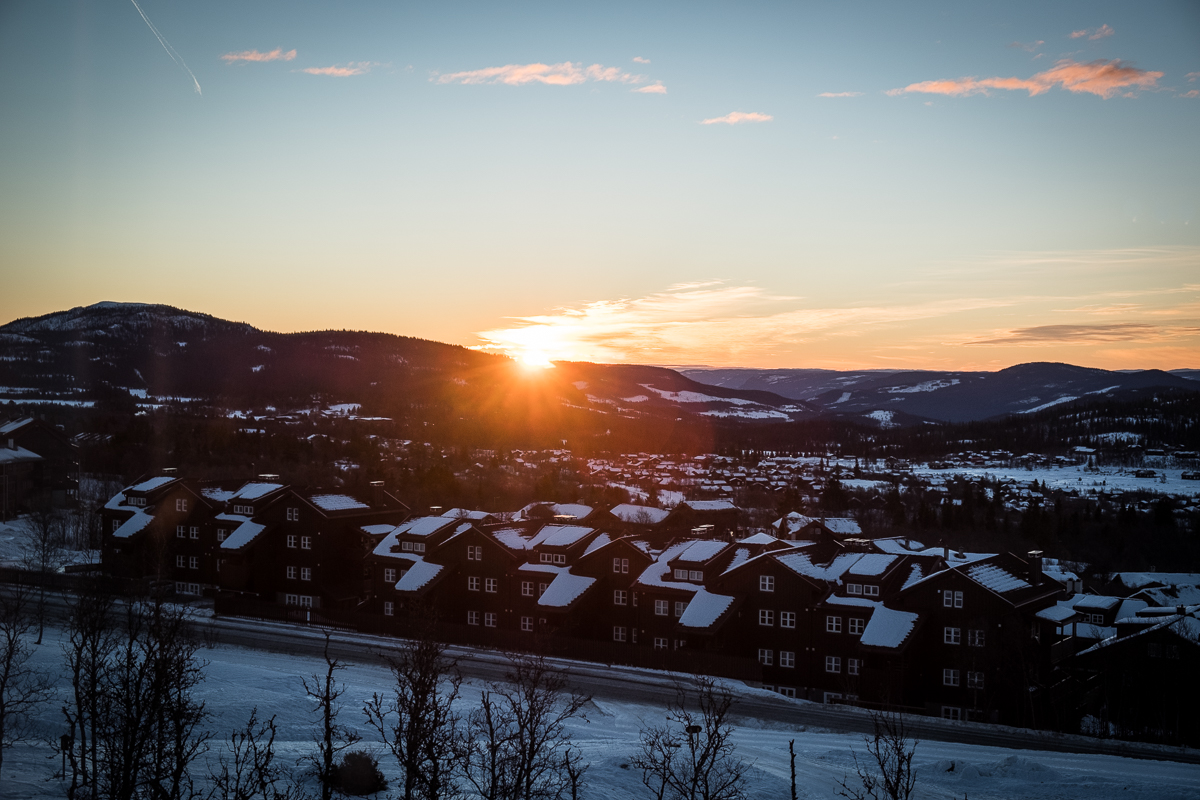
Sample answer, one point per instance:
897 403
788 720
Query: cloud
840 94
253 55
1093 33
1102 78
738 117
1192 93
654 88
1088 334
564 74
1027 47
340 72
1192 76
640 60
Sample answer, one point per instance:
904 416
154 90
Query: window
474 552
306 601
291 573
633 635
489 585
680 644
870 591
695 575
554 558
291 600
542 587
116 524
952 635
787 658
180 531
245 511
950 677
181 561
857 626
766 617
527 624
472 584
389 575
306 543
833 697
766 657
194 532
306 573
293 514
853 588
406 547
193 562
660 643
620 597
952 599
787 619
291 540
950 712
619 633
472 617
766 583
833 663
418 547
489 619
853 665
221 535
787 691
633 599
833 624
660 608
680 607
389 608
181 504
1095 619
974 680
621 565
526 588
681 574
220 561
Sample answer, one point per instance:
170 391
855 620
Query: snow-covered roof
253 491
337 502
1095 602
243 535
559 536
1184 594
1138 580
704 609
888 628
740 556
915 573
793 521
698 552
238 518
418 576
759 538
576 510
15 424
1060 612
466 513
871 565
423 526
1187 627
564 590
135 524
380 529
15 454
998 579
842 526
839 600
641 515
709 505
897 547
595 544
511 538
530 566
151 484
217 494
802 564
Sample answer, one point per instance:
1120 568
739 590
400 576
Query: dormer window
681 574
554 558
137 501
695 575
854 588
406 547
870 590
243 510
419 547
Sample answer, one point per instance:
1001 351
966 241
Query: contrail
178 59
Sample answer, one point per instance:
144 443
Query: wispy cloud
640 60
737 118
1192 76
352 68
277 54
1028 47
1088 334
840 94
1191 93
565 74
1102 78
1093 33
654 88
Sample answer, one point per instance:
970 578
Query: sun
533 359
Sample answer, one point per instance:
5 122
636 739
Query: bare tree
22 688
332 737
517 746
43 550
891 776
91 645
417 722
249 771
692 757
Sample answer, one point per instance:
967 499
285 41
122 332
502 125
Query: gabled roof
565 590
425 526
134 525
419 576
701 551
708 505
759 538
559 536
639 515
14 425
705 609
150 484
255 491
243 535
888 628
996 578
338 502
872 565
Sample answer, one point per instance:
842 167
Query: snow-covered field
239 679
1080 478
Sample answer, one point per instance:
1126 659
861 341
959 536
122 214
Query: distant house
53 475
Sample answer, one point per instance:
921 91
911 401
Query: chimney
1035 563
12 444
377 493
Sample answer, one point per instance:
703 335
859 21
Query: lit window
527 624
974 680
472 617
787 658
620 597
489 585
766 583
306 573
291 573
489 619
660 608
291 540
527 588
976 637
833 663
766 617
833 624
389 575
619 633
680 607
766 657
306 543
857 626
951 635
389 608
472 584
853 665
787 619
950 677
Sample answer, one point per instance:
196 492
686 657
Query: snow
1118 436
1138 580
564 590
759 538
1081 478
872 564
888 628
845 396
253 491
638 398
243 535
927 386
740 556
559 536
701 551
216 494
511 538
646 515
377 530
1052 403
152 484
696 397
418 576
602 540
135 524
742 413
710 505
997 579
423 526
705 609
14 454
884 418
337 502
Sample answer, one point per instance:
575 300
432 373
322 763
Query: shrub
359 774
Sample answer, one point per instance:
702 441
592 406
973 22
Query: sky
806 184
